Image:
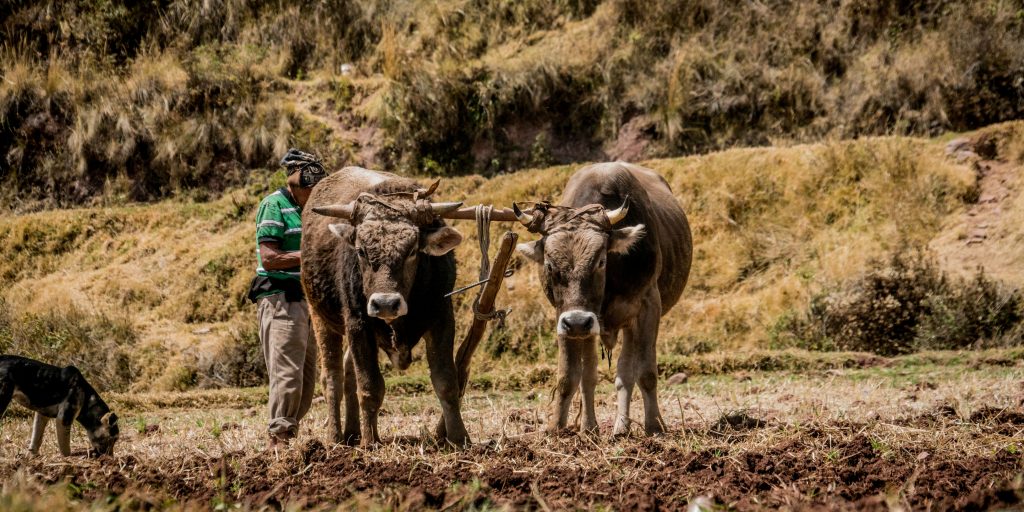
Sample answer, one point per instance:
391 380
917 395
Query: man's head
304 172
389 233
574 252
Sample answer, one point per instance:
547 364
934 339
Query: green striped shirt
279 219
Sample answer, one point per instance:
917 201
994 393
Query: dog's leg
6 394
38 428
64 438
66 415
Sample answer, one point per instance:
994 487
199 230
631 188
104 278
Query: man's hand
275 259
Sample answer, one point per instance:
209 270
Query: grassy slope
102 101
771 226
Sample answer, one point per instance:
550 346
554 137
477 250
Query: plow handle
484 307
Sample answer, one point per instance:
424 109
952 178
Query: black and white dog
61 393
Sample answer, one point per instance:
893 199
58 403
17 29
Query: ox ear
620 241
441 241
533 251
342 230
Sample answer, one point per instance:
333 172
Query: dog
61 393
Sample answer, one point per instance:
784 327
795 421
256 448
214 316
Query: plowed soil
935 438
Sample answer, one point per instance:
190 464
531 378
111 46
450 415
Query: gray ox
378 278
603 280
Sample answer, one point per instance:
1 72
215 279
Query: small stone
701 504
965 156
202 330
923 455
677 379
958 145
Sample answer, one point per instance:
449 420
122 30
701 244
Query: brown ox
379 277
603 280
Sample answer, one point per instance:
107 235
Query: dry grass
931 418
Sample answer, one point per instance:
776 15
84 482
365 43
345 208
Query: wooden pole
485 307
497 214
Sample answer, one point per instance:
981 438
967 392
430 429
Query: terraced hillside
777 232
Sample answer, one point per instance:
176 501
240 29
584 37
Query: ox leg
625 379
351 401
369 384
330 344
589 361
570 373
647 364
445 379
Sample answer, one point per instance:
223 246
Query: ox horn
619 213
524 218
342 211
440 209
424 193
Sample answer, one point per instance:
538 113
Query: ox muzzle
386 306
578 324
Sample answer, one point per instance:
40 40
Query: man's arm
275 259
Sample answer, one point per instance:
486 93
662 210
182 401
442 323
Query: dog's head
104 435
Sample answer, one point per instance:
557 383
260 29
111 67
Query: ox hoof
621 428
459 442
655 428
457 439
350 439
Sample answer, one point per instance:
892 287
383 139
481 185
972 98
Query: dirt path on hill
986 234
362 135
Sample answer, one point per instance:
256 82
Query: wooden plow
491 277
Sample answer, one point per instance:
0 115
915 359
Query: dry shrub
100 346
238 362
907 304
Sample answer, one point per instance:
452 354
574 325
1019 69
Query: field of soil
913 433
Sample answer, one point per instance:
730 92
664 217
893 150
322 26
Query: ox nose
578 323
386 306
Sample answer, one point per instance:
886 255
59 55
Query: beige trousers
289 349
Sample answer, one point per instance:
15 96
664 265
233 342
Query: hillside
151 296
104 102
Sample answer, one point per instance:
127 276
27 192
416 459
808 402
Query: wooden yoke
484 309
469 213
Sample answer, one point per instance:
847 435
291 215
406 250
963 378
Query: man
289 347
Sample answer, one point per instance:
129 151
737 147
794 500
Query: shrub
98 345
237 363
903 305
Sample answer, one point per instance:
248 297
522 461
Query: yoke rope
483 234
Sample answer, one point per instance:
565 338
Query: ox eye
361 252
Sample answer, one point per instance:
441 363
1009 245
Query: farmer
289 348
